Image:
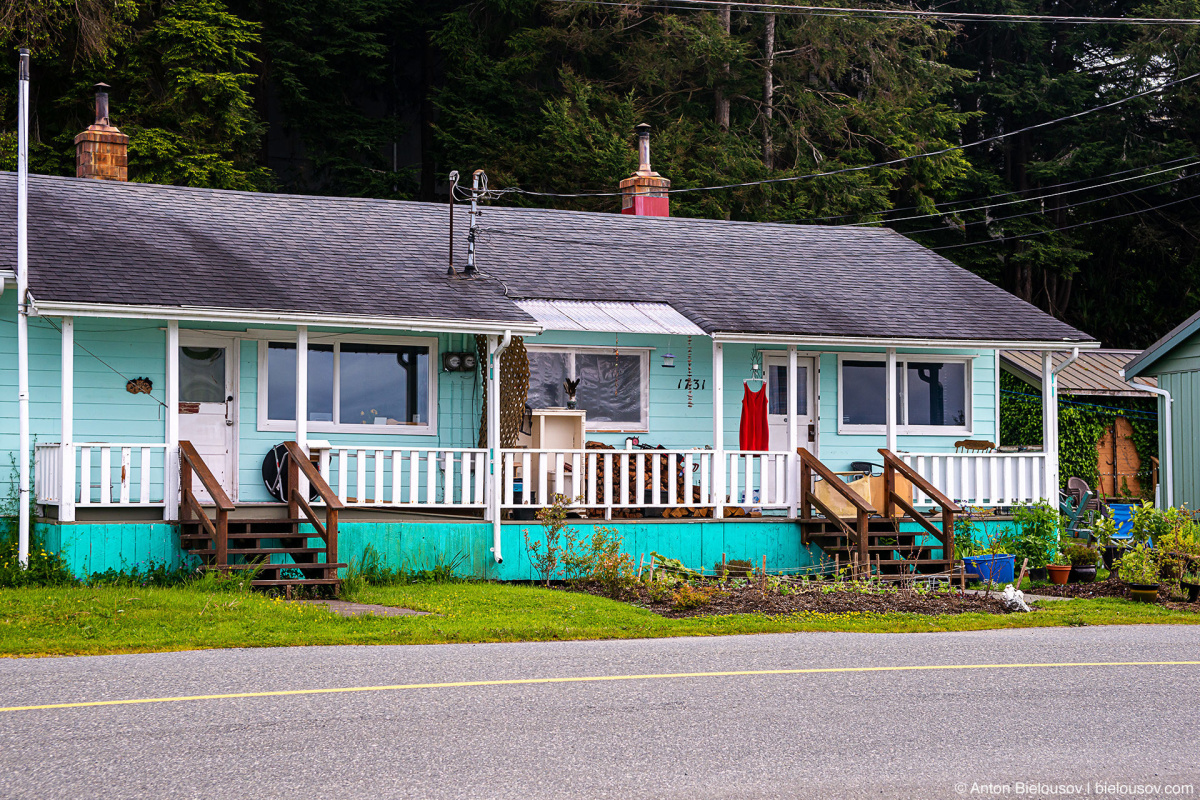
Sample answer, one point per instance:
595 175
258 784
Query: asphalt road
878 734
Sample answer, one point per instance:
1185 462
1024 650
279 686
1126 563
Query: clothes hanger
754 368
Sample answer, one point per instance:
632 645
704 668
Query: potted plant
1083 563
1190 583
1060 567
1038 526
1104 528
1139 569
995 562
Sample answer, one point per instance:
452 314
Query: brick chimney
644 193
102 150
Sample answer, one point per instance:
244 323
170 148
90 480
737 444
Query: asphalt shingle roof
96 241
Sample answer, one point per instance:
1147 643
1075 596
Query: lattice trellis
514 389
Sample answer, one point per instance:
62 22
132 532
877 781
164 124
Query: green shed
1175 361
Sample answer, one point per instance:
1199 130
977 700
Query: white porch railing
394 477
610 479
981 479
106 474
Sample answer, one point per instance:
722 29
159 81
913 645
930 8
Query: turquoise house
179 337
1175 361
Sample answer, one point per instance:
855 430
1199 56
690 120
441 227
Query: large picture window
932 396
353 384
612 387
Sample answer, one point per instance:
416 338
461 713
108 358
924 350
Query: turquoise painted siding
95 547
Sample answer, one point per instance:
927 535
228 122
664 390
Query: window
932 396
387 385
612 388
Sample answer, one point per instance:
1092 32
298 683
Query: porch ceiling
602 317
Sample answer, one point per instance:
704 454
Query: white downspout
493 428
1168 460
23 307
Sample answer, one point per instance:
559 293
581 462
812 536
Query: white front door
208 406
778 406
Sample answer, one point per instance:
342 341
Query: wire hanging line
1051 210
895 13
496 193
118 372
989 206
1065 227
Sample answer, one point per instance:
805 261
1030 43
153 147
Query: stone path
347 609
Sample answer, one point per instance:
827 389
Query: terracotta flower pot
1059 573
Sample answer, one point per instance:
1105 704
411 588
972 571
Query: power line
1065 227
989 206
896 13
1064 208
892 162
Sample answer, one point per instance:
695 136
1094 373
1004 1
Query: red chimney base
648 206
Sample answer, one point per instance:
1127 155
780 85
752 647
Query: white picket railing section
429 477
611 479
107 474
987 480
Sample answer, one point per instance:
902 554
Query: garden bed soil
729 599
1113 587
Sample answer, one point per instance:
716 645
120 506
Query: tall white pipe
1168 467
23 305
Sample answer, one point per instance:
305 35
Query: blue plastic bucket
997 569
1122 515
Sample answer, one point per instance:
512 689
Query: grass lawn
80 621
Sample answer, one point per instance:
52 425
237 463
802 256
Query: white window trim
909 430
643 353
428 429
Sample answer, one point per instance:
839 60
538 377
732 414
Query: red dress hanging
754 434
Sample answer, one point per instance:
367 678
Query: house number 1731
692 383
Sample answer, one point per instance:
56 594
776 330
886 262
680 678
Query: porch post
66 491
171 457
302 405
1050 426
718 409
793 431
890 391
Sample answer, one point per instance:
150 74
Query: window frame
902 360
644 353
430 428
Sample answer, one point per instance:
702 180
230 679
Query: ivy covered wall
1080 426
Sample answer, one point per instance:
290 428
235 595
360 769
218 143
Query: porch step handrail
298 462
810 464
192 465
893 464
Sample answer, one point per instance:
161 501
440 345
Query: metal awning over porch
608 317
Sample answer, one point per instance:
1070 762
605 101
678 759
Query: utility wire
50 322
990 206
1047 211
1065 227
956 16
495 193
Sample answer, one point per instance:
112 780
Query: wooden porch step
299 582
266 567
261 551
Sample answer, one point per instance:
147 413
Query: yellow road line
591 679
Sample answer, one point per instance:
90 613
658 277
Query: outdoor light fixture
668 360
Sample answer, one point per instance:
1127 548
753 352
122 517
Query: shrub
546 554
688 597
1038 526
1081 555
1139 566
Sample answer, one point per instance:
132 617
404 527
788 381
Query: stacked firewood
683 485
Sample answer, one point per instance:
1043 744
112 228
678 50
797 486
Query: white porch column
171 458
890 391
493 445
1050 426
66 491
793 432
718 409
302 387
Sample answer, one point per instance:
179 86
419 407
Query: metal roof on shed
1095 372
602 317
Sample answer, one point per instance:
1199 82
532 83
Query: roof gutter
56 308
1073 358
901 343
1168 465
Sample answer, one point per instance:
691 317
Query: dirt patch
1168 593
814 597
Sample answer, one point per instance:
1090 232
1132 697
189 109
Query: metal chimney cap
101 87
642 127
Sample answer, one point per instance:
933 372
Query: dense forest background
1094 219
